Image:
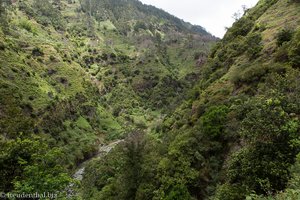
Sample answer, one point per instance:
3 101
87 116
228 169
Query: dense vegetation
222 125
73 79
236 137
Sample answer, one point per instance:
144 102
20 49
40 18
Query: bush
242 27
267 132
254 45
230 192
139 25
213 121
251 74
294 51
178 192
281 54
285 35
37 52
29 165
25 24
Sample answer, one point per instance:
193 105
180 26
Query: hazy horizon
213 15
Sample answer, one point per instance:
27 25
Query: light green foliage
83 123
44 175
26 24
33 166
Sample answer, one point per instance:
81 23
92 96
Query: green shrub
241 27
250 75
262 164
25 24
139 25
230 192
212 122
178 192
30 165
281 54
285 35
37 52
294 51
254 44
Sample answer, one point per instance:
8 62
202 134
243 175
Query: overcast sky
213 15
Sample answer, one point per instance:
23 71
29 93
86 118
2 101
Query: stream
78 175
103 149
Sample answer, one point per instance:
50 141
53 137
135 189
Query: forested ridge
189 116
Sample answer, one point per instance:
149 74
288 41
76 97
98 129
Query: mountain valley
178 113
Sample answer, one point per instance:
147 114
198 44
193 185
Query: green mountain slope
236 137
76 74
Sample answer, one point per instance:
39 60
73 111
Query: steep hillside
77 74
236 137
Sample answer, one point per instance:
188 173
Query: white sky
213 15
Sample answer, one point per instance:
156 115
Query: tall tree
134 146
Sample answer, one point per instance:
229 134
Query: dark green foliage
253 42
251 75
16 120
292 191
262 8
178 192
133 164
240 28
282 53
294 182
37 52
128 172
262 164
139 25
29 165
294 51
285 35
117 11
230 192
46 14
212 122
260 168
44 174
4 4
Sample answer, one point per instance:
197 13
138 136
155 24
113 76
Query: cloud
213 15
